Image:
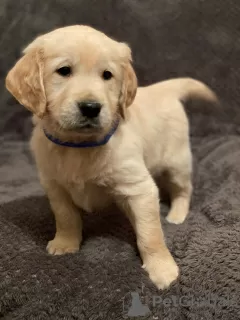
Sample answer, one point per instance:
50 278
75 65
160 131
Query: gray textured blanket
197 38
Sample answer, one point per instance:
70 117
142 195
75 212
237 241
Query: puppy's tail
187 88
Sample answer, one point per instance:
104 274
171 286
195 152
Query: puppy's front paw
162 271
59 246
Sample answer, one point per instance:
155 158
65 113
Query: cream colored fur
152 139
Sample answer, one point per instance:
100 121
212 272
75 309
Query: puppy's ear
25 81
129 86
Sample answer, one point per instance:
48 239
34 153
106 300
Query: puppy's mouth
85 127
89 127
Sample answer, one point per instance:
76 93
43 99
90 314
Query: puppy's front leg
68 220
142 207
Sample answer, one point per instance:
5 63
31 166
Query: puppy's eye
107 75
64 71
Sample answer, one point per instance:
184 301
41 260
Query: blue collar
83 144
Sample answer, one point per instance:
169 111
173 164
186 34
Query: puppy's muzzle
89 109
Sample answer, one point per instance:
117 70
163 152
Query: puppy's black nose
89 109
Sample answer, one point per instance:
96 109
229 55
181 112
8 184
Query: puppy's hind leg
180 189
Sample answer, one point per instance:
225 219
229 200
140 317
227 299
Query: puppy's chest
74 166
89 196
85 177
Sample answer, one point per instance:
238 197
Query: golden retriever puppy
99 139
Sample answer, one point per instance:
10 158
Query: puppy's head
75 77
